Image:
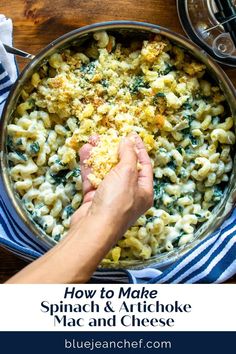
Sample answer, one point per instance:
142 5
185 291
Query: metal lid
212 25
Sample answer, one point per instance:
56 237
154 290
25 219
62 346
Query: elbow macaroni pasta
152 87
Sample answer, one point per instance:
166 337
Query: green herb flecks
190 118
69 210
173 207
150 219
175 242
31 102
201 216
60 177
161 149
194 141
22 156
217 194
187 134
185 131
137 84
10 144
215 120
19 142
74 173
105 83
172 164
159 94
183 174
158 97
34 148
89 68
158 188
180 149
168 68
37 219
45 226
57 237
59 162
187 105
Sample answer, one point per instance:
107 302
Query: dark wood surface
38 22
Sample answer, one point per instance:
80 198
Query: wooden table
38 22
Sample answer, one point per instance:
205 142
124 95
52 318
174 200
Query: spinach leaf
201 216
60 162
10 143
167 69
172 164
34 147
173 208
150 219
183 173
89 68
215 120
161 149
57 237
45 226
180 149
75 173
179 209
105 83
37 219
19 142
31 102
193 140
185 131
217 194
60 177
160 94
137 84
159 97
190 118
175 243
21 155
187 105
158 187
188 150
69 210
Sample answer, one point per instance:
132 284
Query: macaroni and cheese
152 87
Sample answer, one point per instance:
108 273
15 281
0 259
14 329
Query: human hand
123 195
106 213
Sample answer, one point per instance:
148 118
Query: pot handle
18 52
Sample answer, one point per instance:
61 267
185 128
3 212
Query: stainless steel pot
138 30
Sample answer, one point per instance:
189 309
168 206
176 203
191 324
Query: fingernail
133 135
93 139
122 140
132 139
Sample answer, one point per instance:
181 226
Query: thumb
88 190
127 153
84 154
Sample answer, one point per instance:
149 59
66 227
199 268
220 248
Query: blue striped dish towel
13 236
8 68
213 260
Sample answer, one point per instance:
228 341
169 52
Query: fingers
127 153
84 153
145 175
85 170
131 150
93 139
88 197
